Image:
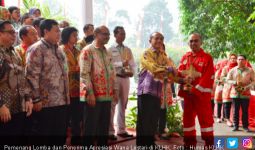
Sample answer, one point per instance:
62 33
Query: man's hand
115 96
5 114
220 82
28 107
91 100
38 106
187 80
160 70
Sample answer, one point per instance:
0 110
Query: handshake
164 72
164 69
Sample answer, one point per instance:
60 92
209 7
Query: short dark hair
2 24
37 21
241 55
66 33
86 27
116 29
12 8
47 24
97 30
24 30
24 17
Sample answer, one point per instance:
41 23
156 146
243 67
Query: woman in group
69 37
227 87
218 84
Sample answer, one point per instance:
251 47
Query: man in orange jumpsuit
197 67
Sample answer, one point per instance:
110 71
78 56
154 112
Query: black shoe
164 137
246 129
125 135
235 129
112 137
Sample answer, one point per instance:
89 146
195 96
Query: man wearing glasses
13 87
197 67
97 78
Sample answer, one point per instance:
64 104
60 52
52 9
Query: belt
121 76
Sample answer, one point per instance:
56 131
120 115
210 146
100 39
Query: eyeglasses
240 59
194 41
105 34
12 32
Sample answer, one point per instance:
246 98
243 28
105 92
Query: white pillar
87 11
86 14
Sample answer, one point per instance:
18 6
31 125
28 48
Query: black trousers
162 120
244 103
147 118
96 124
219 107
12 132
227 109
52 126
212 104
75 117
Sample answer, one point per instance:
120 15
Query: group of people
234 78
51 80
195 75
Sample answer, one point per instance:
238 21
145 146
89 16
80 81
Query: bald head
195 42
102 35
197 35
100 29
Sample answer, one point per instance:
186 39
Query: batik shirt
97 73
247 78
150 82
47 73
81 44
73 70
21 50
14 89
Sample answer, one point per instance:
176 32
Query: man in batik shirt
242 79
154 69
46 71
97 78
14 91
